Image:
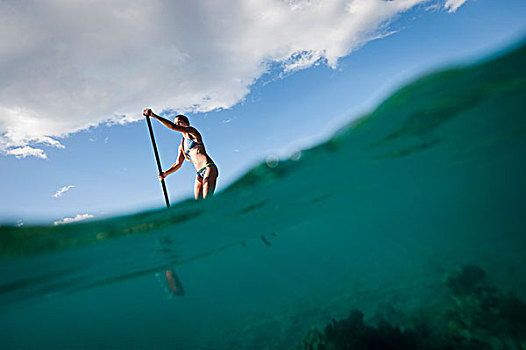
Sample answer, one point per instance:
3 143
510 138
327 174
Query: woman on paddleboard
193 149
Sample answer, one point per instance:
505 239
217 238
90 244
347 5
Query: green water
372 219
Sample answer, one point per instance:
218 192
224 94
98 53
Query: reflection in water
171 283
174 284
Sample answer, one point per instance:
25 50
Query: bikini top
188 144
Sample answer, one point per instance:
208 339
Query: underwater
405 230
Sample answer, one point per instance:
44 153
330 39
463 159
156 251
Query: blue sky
111 167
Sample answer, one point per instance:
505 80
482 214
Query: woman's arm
149 113
175 167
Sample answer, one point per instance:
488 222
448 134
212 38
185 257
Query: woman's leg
198 187
209 181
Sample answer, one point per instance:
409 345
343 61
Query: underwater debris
266 241
166 241
477 316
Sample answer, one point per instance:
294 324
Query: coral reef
480 311
476 316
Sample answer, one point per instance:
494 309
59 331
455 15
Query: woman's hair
183 118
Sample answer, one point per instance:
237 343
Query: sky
259 79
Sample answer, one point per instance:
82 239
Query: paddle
157 160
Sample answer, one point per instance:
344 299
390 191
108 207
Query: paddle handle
157 160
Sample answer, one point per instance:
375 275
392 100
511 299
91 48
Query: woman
193 149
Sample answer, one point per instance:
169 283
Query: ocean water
371 220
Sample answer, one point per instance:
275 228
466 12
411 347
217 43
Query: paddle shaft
157 160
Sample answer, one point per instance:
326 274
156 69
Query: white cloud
61 191
70 65
26 151
79 217
453 5
433 7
